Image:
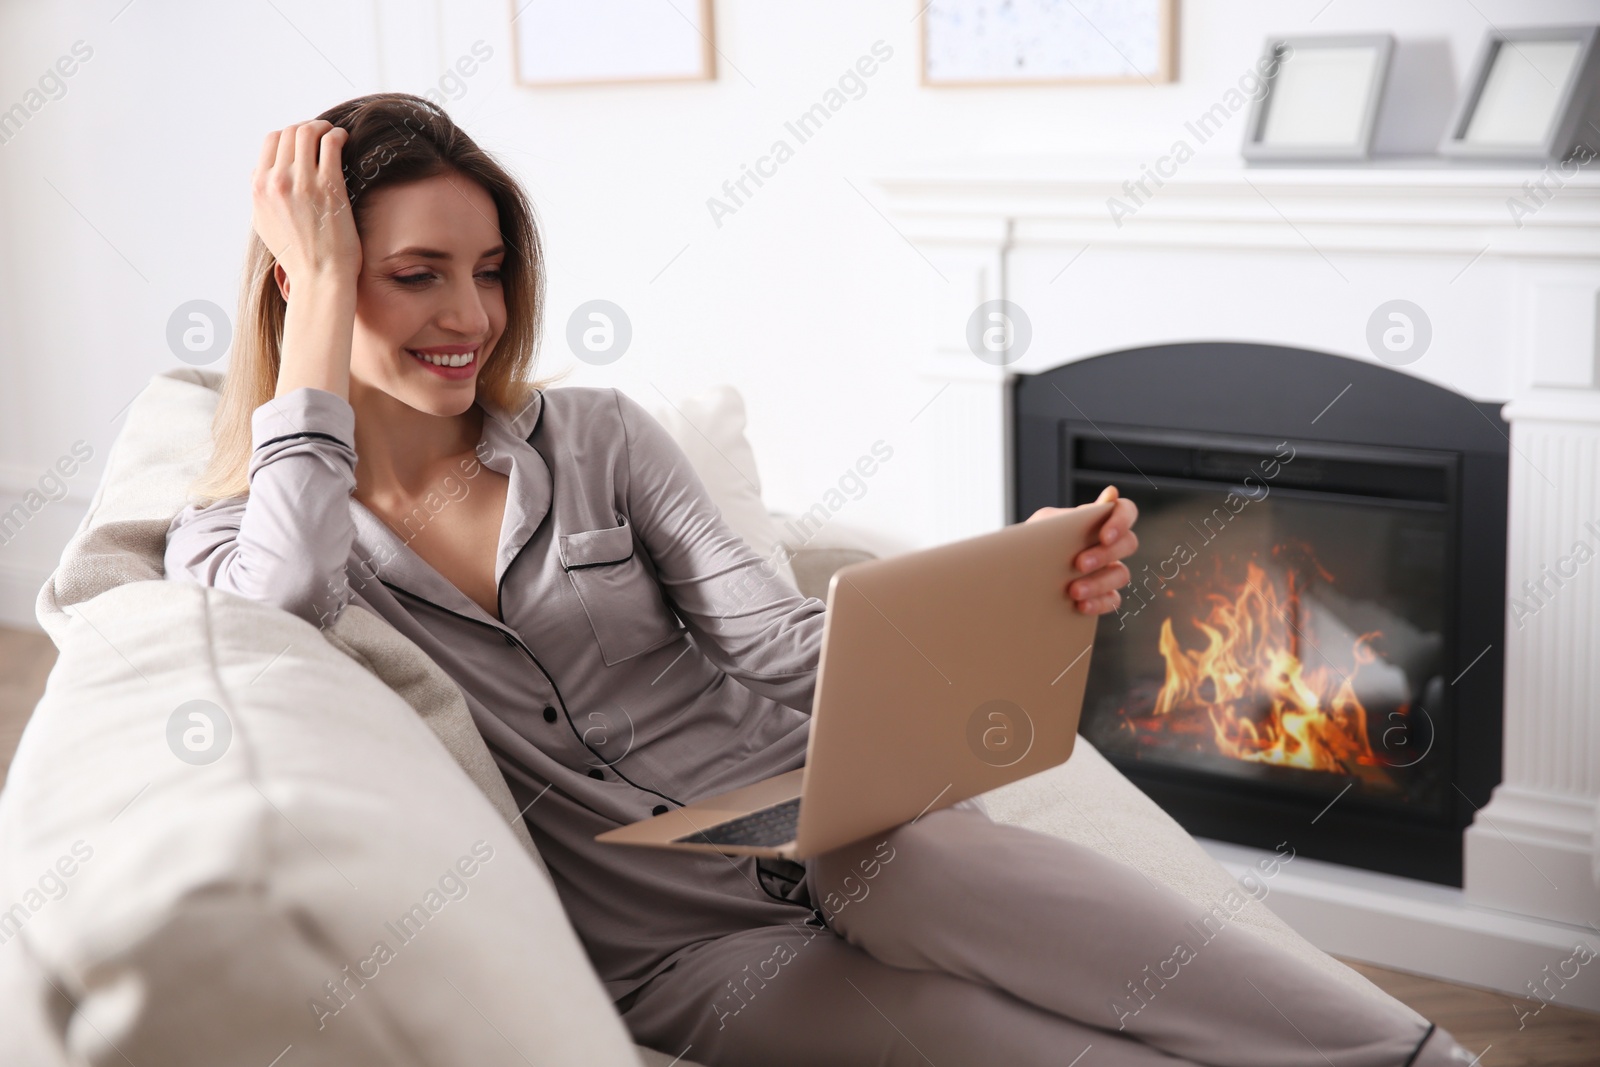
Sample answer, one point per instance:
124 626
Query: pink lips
466 370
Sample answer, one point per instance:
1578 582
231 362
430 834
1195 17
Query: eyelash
493 274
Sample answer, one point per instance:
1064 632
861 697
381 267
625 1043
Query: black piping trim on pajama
1418 1050
296 436
597 563
515 641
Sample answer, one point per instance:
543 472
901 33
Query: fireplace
1310 649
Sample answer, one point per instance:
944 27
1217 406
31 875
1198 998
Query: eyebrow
434 253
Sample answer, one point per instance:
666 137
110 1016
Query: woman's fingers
285 155
1116 538
296 141
1120 522
1100 565
1107 579
1101 605
330 168
330 157
307 136
269 152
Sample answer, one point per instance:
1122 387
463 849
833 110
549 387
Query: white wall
127 196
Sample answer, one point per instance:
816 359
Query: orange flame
1249 688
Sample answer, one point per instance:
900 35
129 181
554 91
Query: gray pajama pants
958 941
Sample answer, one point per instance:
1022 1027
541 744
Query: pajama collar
387 556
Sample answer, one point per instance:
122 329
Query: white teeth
448 361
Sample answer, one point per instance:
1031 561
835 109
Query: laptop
945 673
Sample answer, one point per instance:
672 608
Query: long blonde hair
394 138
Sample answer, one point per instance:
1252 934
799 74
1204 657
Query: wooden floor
1480 1020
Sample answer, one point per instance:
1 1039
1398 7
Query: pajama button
549 713
659 809
596 772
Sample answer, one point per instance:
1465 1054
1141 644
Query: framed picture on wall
1048 42
611 42
1529 95
1322 97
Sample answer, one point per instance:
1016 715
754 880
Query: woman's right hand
300 207
301 212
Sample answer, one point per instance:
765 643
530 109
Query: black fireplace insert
1309 650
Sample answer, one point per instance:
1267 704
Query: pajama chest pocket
619 594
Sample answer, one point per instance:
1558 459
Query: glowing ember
1248 694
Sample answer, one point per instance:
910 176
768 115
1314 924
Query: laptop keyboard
767 828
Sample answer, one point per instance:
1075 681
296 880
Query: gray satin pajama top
645 658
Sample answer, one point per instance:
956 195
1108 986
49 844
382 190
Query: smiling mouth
448 358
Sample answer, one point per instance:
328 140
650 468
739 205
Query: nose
463 311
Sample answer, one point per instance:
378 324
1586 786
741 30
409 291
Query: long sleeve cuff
304 417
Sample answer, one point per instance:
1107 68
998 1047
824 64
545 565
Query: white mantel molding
1300 257
1440 210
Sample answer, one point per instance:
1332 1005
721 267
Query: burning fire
1250 694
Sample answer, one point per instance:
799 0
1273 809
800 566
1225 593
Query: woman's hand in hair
301 212
301 209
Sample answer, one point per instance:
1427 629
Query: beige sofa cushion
331 881
710 428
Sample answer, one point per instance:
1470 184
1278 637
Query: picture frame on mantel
1320 100
977 43
1530 97
556 43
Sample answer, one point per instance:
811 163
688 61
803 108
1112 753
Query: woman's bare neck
403 453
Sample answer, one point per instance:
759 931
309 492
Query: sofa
229 837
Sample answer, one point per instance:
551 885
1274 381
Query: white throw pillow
709 426
330 881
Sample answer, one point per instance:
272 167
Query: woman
543 545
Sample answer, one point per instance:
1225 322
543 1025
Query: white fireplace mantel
1505 265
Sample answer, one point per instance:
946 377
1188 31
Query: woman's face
429 303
